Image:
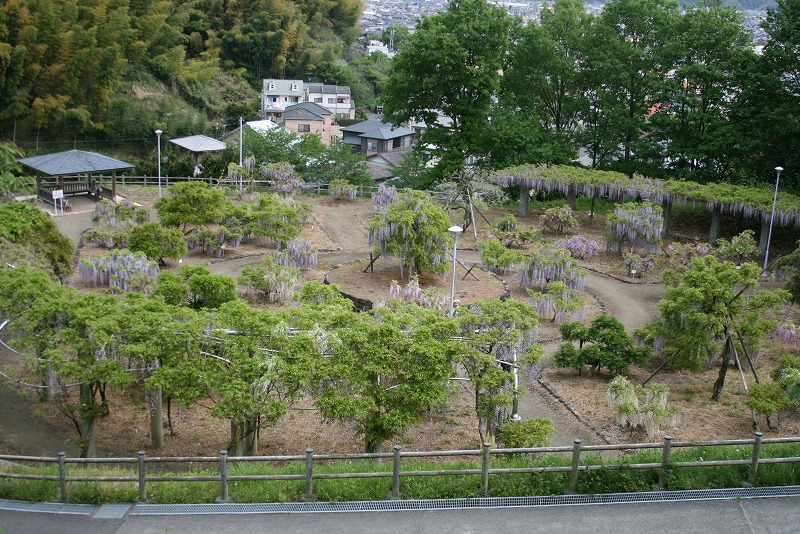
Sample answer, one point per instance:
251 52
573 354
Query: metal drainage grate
47 507
456 504
112 511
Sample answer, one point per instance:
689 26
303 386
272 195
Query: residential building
373 136
277 95
310 118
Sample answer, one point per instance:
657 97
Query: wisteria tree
271 217
497 258
384 197
282 177
271 280
413 293
121 270
559 300
414 229
559 218
112 223
579 246
547 263
342 189
637 224
713 307
499 336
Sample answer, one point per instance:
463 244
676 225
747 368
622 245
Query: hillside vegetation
115 70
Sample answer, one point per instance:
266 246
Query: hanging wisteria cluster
787 332
636 264
282 177
412 293
384 197
298 254
112 223
121 270
579 246
684 253
564 303
636 223
271 281
559 217
341 189
641 407
753 202
547 263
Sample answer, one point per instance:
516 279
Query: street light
454 231
778 171
158 135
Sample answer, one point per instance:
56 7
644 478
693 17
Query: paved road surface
729 516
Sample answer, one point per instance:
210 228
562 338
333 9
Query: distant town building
277 95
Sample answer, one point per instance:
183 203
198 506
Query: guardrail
142 476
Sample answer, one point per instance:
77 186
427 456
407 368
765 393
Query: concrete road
730 516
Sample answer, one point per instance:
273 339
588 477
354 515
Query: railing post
396 473
751 478
665 452
309 496
223 477
576 461
62 476
142 479
487 449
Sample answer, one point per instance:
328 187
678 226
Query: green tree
413 229
192 203
157 242
603 344
465 46
385 372
11 178
28 235
196 287
712 307
339 162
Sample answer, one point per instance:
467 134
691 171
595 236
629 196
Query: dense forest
74 71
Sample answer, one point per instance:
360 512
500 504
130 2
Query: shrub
559 218
536 432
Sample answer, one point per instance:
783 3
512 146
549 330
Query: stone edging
556 395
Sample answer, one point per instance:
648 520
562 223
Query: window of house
271 86
331 101
303 128
294 87
318 100
372 145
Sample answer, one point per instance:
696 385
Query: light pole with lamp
455 231
158 135
778 171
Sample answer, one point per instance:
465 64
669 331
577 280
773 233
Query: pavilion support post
572 195
113 186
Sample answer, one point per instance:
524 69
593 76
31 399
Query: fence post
751 478
309 496
487 448
396 473
223 477
665 452
142 488
62 476
576 461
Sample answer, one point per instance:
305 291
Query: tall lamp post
455 231
158 136
778 171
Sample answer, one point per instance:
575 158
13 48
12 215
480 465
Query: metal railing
483 467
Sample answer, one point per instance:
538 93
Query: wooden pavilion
73 173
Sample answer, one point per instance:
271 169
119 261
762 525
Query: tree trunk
88 417
375 447
723 370
591 208
572 195
666 207
156 419
713 233
524 194
244 437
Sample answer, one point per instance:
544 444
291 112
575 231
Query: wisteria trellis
728 198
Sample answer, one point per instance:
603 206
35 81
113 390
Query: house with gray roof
373 136
309 118
277 95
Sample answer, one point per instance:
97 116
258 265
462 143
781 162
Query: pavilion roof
73 162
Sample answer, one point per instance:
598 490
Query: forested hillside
114 70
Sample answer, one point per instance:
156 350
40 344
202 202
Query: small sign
58 193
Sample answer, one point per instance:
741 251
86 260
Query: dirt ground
339 230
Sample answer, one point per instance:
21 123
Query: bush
536 432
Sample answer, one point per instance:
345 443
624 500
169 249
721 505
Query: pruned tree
190 204
157 242
603 344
